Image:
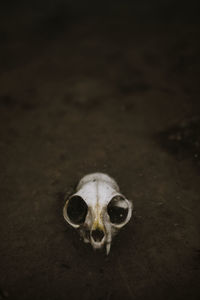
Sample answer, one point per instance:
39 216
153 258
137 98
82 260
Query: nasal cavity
97 235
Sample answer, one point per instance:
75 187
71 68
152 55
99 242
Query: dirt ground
107 94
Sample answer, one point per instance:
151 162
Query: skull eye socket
117 210
77 210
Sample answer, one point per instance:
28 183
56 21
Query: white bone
97 190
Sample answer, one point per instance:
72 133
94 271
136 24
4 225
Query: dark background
108 86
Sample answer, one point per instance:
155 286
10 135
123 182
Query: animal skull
97 209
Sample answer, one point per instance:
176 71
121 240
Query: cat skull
97 209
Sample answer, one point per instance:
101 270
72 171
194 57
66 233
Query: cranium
97 209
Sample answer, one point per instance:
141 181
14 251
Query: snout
97 238
97 235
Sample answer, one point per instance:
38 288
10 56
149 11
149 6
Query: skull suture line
97 209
